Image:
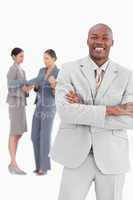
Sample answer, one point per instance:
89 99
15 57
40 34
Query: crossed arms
71 110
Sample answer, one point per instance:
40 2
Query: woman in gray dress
16 99
44 113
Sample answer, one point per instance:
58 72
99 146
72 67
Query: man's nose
99 41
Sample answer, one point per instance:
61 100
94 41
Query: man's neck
99 62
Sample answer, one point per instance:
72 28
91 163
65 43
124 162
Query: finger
77 100
130 113
71 99
69 95
129 109
129 103
71 102
72 93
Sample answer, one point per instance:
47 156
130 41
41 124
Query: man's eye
94 38
105 38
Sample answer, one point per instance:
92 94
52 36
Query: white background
63 26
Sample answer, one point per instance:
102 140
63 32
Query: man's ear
87 41
112 43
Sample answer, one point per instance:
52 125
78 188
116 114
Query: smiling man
100 40
94 99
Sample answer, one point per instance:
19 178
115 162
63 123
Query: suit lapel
109 76
52 72
88 72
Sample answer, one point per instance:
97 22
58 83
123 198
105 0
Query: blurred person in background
16 99
44 113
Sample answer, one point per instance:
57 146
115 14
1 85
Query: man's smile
99 49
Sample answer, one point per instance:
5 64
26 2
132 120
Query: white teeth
99 49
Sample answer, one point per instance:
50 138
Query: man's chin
98 57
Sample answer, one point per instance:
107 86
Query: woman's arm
12 76
12 83
53 82
39 78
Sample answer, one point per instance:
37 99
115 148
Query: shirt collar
103 67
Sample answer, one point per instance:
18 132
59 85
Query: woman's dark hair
16 51
51 53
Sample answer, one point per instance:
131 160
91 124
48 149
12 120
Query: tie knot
99 70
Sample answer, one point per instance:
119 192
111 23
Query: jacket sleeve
122 122
53 89
13 83
11 76
26 94
76 113
37 87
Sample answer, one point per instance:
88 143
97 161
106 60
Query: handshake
117 110
27 88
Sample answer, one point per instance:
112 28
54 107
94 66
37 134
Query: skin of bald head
100 40
101 25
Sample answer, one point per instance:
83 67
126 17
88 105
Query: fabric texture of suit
85 124
16 96
16 99
76 182
43 122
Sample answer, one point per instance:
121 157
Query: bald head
101 27
100 40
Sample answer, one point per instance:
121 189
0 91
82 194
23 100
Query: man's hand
123 109
118 110
72 97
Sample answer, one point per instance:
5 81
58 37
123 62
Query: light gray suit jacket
85 123
16 96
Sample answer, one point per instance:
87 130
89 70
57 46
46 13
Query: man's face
100 40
